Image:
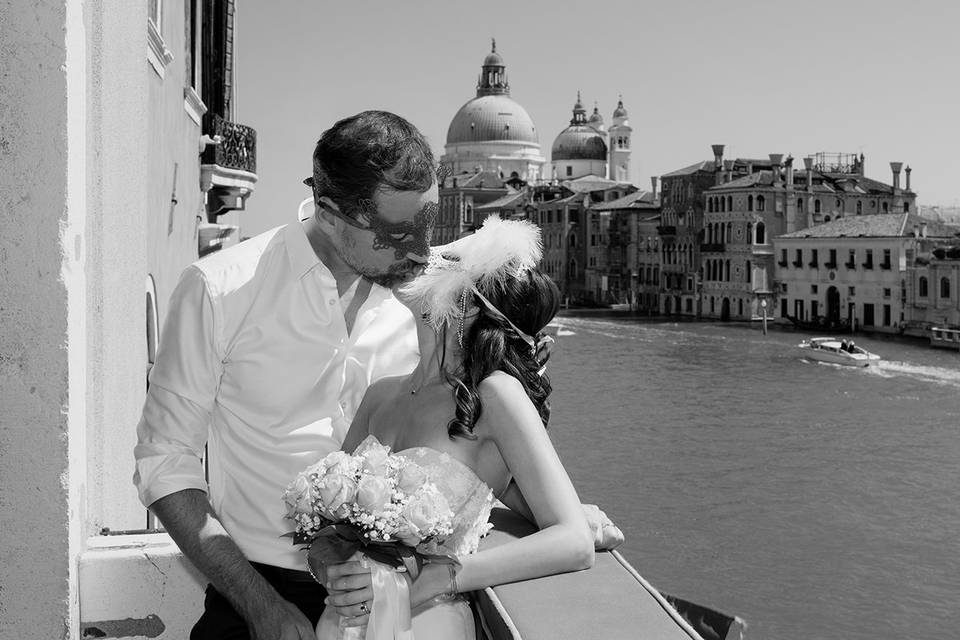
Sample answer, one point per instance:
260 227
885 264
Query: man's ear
323 211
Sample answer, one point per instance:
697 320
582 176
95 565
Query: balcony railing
237 148
830 265
885 265
797 263
813 264
850 265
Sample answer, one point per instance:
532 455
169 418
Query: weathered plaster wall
34 392
116 232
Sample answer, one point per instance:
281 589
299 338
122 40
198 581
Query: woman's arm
564 541
360 427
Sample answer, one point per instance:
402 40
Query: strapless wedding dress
471 501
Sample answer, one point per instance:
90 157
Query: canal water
812 500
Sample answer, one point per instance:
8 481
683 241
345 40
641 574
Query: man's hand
280 620
606 535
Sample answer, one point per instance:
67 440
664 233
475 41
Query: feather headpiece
498 250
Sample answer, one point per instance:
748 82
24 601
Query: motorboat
945 338
835 351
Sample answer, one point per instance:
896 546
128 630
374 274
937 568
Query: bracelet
453 590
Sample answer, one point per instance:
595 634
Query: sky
871 76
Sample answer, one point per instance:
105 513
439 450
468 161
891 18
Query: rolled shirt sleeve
176 415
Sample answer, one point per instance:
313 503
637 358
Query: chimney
775 160
862 165
808 165
717 161
653 186
788 163
727 170
908 170
895 167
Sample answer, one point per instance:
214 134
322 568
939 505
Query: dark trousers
220 621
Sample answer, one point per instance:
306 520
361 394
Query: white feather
499 249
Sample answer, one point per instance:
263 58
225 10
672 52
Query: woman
474 413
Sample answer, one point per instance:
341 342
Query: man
268 347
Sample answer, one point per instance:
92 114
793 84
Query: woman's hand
350 586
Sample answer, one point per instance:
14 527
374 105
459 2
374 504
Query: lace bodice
469 497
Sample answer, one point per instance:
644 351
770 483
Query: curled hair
373 149
529 301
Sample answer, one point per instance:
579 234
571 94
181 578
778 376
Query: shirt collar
302 256
303 259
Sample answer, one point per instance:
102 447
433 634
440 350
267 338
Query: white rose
336 491
426 510
375 461
411 478
373 493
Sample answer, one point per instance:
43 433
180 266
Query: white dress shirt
255 361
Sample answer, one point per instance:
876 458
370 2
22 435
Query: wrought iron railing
237 148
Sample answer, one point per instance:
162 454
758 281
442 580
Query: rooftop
888 225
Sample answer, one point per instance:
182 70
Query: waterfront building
932 292
460 195
681 233
492 132
857 271
629 266
755 200
122 164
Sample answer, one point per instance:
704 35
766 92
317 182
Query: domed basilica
493 134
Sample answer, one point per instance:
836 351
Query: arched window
749 273
761 233
922 287
712 304
572 271
944 288
740 307
726 272
153 329
709 205
886 207
761 203
750 232
750 202
799 205
572 240
729 236
723 204
859 207
826 218
729 203
816 205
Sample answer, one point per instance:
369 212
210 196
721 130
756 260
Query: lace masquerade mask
403 237
499 250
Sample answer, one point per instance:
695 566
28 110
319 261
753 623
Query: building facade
124 165
932 292
756 200
856 271
587 148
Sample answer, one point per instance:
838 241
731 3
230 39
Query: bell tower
493 77
619 137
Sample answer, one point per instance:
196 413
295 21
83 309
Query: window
886 292
569 171
833 259
814 259
468 214
886 207
868 264
945 288
886 259
729 203
813 288
906 207
192 103
859 207
761 203
750 203
761 233
816 205
799 205
783 258
798 258
157 53
851 291
852 259
922 287
886 315
783 287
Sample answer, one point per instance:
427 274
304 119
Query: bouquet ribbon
390 614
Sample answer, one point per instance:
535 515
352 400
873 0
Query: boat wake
938 375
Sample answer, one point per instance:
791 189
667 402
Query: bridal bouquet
372 501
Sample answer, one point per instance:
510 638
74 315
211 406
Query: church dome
492 118
620 111
596 120
579 142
